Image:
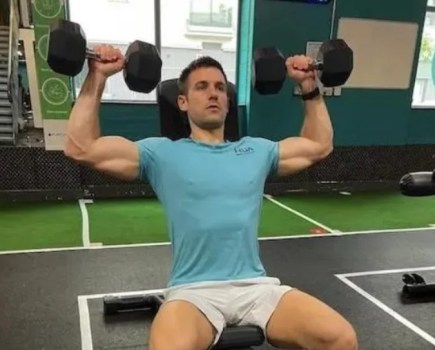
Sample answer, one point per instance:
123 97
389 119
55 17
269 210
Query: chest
235 172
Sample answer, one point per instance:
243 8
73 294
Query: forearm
83 126
317 124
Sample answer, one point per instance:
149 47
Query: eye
221 87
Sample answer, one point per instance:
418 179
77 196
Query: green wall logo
55 91
42 47
48 8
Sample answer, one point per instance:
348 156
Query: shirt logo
243 150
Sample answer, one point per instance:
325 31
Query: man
212 193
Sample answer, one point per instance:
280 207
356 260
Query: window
211 13
116 23
188 29
194 28
424 88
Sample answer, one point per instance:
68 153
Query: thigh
302 320
180 325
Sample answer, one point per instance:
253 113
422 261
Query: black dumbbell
134 303
417 184
67 52
334 64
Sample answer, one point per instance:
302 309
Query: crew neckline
210 145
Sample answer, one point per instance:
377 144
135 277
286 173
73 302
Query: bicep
115 156
298 153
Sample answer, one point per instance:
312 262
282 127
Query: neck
208 136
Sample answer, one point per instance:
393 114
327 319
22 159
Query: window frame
158 41
429 9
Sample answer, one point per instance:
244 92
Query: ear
182 103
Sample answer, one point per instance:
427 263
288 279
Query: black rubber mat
39 292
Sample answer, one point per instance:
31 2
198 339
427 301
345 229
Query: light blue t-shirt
212 196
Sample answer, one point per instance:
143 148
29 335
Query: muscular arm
113 155
315 141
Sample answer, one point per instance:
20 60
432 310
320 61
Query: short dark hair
201 62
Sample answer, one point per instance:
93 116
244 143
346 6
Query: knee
180 342
343 338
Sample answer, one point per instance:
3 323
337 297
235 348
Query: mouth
213 107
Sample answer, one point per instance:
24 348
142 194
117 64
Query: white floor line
387 272
85 320
85 324
388 310
121 294
85 222
349 233
138 245
389 230
270 198
50 250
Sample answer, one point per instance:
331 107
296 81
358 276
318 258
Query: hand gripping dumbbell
334 64
67 52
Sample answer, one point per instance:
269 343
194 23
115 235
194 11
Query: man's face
206 102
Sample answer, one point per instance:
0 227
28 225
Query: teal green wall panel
132 121
360 116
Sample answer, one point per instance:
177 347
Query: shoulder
160 145
259 142
152 147
153 142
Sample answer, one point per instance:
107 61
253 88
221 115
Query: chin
212 124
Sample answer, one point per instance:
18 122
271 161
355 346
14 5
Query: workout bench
234 338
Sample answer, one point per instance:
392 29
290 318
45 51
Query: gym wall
382 120
360 116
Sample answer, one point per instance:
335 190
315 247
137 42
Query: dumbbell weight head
334 65
66 47
268 70
335 59
67 53
142 71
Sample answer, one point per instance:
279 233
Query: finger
303 63
113 54
97 49
290 63
119 54
104 52
101 50
109 53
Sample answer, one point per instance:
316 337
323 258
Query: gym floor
350 250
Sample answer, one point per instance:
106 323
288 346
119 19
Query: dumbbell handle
316 65
91 54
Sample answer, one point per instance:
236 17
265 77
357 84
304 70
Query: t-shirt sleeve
150 151
270 151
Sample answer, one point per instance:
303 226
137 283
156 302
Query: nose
213 92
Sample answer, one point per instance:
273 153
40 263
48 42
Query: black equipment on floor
234 338
416 289
418 184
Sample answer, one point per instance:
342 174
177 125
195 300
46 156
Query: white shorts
230 303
